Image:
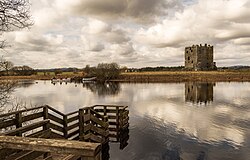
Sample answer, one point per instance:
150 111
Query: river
168 121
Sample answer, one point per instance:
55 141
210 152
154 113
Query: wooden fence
96 124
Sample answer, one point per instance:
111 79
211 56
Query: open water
168 121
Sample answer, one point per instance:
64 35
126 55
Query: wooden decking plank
25 155
50 145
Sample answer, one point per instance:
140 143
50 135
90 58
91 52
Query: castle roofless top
198 57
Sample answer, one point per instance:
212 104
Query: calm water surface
189 121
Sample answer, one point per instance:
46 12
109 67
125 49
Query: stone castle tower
199 57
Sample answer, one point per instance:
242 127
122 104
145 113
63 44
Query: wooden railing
36 147
117 118
99 123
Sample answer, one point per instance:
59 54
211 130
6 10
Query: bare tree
105 71
6 87
6 66
14 15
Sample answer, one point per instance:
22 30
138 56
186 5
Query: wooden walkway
45 133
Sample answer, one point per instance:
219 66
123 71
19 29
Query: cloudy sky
133 33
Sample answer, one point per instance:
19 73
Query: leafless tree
14 15
6 87
105 71
7 66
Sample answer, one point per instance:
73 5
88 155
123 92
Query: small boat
89 79
54 80
66 80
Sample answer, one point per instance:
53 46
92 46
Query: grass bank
40 77
166 76
185 76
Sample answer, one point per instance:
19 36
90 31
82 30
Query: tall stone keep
199 58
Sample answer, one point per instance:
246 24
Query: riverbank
185 76
37 77
167 76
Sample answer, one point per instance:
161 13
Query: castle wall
190 57
199 57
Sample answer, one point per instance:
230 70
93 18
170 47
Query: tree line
7 68
103 71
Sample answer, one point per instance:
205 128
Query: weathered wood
93 138
72 119
97 115
113 123
81 124
107 110
62 157
73 133
25 155
55 119
99 122
27 128
94 124
45 117
56 111
32 116
54 135
86 117
7 123
50 145
56 127
110 106
18 122
41 134
91 127
73 126
111 117
21 111
112 129
69 114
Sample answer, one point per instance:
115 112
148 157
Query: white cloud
136 33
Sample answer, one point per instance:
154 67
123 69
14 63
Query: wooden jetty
45 133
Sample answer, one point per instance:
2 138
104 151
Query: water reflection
196 92
25 83
121 139
103 89
153 140
162 124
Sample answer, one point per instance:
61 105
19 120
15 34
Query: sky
132 33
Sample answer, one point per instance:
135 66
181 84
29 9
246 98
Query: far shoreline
161 77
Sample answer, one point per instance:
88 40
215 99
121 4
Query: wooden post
46 126
121 117
81 124
106 121
105 110
19 122
65 127
117 124
45 116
